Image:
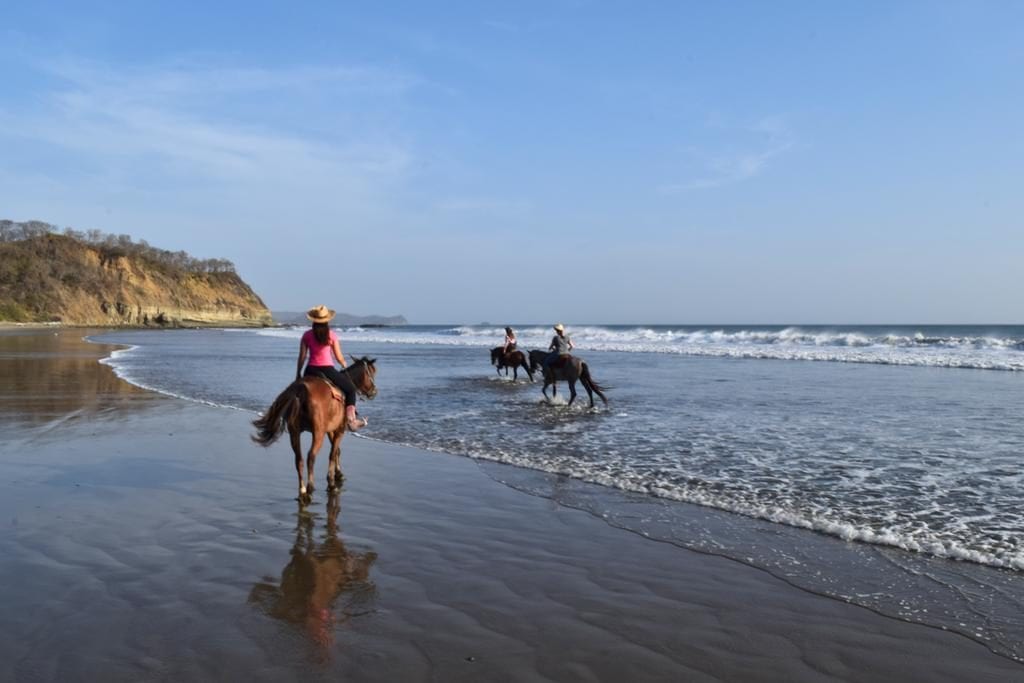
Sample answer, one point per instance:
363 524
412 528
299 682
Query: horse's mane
356 362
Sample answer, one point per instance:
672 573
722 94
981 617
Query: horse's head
362 373
495 355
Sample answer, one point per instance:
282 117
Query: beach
148 539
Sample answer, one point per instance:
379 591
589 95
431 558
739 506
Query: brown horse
512 359
566 369
313 405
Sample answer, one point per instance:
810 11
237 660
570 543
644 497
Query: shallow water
904 439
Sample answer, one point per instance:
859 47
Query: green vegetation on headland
93 278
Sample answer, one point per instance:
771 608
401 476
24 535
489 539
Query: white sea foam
791 343
909 539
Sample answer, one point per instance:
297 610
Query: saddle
561 361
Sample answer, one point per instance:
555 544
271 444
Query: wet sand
148 538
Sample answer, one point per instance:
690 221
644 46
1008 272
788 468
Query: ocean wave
979 352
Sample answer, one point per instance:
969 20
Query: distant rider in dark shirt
561 345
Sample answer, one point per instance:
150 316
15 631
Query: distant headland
90 278
299 318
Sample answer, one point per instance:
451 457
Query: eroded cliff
58 278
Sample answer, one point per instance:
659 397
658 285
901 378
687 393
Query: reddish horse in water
512 359
312 404
566 369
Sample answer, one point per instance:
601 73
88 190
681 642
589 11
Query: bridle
370 393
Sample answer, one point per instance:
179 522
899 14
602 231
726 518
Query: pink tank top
319 354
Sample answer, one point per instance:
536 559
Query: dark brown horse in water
566 369
311 404
512 359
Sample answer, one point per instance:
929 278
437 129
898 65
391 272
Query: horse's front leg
572 392
334 462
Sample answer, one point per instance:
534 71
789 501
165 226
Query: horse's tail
589 382
528 366
282 412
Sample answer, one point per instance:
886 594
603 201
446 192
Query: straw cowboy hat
559 327
320 314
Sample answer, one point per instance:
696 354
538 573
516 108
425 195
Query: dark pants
337 378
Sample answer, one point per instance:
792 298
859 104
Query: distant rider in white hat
561 345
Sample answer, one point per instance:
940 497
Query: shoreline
149 536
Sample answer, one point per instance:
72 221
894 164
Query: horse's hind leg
318 440
294 436
572 392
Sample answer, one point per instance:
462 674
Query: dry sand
147 538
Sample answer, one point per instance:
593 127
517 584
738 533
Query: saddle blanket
335 392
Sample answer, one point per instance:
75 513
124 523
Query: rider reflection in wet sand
322 584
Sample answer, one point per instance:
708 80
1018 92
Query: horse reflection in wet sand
566 369
312 404
323 585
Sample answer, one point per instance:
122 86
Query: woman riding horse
312 405
320 343
510 341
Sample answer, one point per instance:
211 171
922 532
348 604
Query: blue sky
761 162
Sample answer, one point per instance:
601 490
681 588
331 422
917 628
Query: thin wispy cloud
736 167
483 205
115 117
184 78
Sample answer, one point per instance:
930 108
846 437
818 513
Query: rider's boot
354 423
